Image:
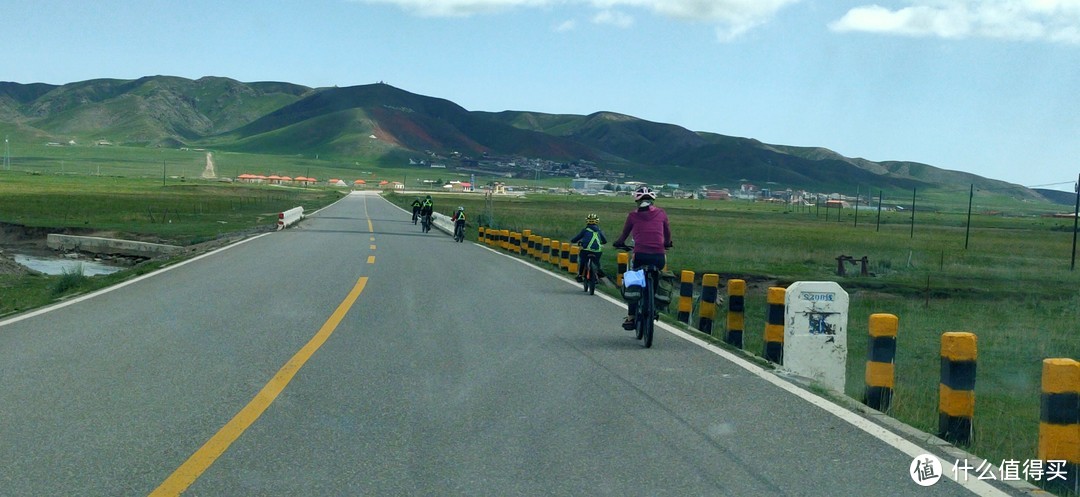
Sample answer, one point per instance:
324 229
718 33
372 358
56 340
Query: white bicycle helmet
644 193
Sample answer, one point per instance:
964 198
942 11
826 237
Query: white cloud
614 18
1052 20
567 25
731 17
451 8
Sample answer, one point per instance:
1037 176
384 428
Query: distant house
586 185
461 186
717 195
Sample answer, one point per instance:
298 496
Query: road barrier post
736 317
623 261
956 392
545 250
880 367
575 259
556 253
564 256
774 326
686 296
1059 421
707 307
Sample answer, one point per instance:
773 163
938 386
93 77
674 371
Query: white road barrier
290 217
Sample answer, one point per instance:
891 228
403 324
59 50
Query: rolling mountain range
389 125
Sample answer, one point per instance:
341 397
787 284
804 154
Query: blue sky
989 87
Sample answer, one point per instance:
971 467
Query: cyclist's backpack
633 285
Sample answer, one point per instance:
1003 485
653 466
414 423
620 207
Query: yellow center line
370 227
203 458
371 259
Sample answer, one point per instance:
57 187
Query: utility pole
7 154
1076 219
967 232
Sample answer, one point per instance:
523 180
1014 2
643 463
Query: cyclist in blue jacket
592 241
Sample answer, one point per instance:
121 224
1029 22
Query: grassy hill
382 124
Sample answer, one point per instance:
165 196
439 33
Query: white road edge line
81 298
122 284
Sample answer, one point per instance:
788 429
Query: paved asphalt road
354 355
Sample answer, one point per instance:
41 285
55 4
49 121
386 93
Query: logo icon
925 470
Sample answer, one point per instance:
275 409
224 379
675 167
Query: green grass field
1012 286
1006 278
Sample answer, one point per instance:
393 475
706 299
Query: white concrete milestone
815 332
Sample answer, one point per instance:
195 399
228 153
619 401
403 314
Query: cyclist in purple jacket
648 226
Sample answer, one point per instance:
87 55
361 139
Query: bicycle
590 274
425 223
648 301
415 216
459 232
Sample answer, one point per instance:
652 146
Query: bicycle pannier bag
633 283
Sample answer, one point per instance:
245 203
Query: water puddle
61 265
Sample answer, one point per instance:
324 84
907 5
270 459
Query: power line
1052 184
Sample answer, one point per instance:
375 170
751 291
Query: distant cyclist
416 203
459 223
427 206
592 241
648 225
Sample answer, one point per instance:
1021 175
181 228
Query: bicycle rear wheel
639 322
590 277
648 313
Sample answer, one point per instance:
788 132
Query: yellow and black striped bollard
515 242
545 250
564 256
504 240
774 325
686 296
707 307
575 259
956 392
537 249
622 260
526 242
736 317
881 352
1059 421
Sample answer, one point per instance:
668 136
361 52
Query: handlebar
630 248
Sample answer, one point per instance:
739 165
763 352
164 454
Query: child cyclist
648 225
459 220
592 241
